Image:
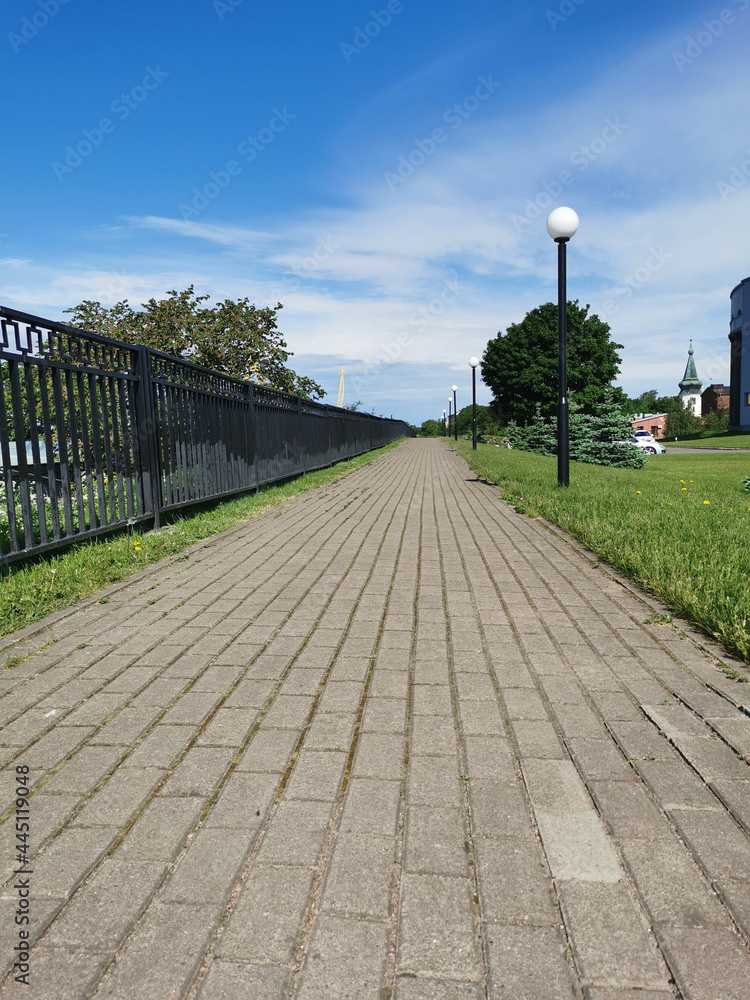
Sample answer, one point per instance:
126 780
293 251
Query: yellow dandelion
706 501
682 480
684 489
637 491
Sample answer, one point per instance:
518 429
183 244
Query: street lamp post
443 434
562 225
473 362
449 415
455 413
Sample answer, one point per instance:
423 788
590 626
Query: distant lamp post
562 225
443 423
455 413
449 415
473 363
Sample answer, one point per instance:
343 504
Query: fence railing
96 434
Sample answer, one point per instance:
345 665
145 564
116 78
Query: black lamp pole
474 362
449 417
562 224
563 407
455 414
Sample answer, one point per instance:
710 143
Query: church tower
690 386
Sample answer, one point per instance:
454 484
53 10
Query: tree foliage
486 423
599 438
681 422
520 365
232 337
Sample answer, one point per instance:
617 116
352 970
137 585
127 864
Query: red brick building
715 397
654 423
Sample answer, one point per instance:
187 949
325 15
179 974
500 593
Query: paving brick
296 834
497 807
67 860
160 831
537 739
243 801
199 771
118 798
192 708
358 882
490 757
672 887
379 756
161 747
675 785
514 883
436 932
346 959
435 841
577 846
600 759
371 806
126 728
707 963
528 962
229 727
317 774
209 869
58 973
609 941
269 750
83 772
179 935
703 831
629 811
106 909
240 981
267 916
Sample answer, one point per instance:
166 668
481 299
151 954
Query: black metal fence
96 434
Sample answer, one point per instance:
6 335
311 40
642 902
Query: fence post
147 435
251 437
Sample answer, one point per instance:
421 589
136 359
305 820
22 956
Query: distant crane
340 402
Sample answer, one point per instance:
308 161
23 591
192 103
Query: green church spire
690 381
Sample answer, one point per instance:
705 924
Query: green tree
430 428
647 402
486 423
233 337
520 365
681 423
717 420
600 435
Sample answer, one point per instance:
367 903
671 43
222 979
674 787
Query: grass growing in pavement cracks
679 527
34 590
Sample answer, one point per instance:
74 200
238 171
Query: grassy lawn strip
679 527
32 591
711 441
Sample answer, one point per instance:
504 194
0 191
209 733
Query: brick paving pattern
391 740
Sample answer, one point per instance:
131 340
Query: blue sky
385 171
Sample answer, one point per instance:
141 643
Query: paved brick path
390 740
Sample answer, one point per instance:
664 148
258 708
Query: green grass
717 439
652 524
32 591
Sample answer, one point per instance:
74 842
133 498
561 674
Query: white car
647 442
